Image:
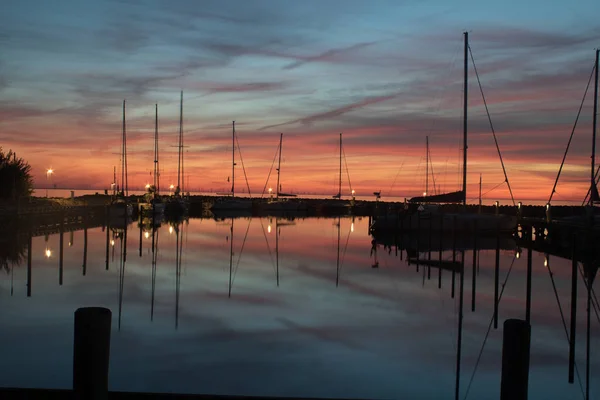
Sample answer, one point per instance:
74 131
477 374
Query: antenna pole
279 164
340 184
233 159
426 165
466 72
595 115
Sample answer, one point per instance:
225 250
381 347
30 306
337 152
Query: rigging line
241 251
594 304
243 167
489 329
432 174
345 248
396 178
270 170
562 316
492 127
596 179
267 240
572 132
347 170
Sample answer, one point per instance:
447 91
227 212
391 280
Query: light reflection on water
281 314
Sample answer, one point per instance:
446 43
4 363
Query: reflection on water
272 306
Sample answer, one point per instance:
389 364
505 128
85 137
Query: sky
385 74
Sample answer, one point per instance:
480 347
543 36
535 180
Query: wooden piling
515 360
91 353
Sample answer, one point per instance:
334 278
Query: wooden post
573 312
91 353
528 294
441 250
453 254
496 278
29 277
474 277
60 252
515 360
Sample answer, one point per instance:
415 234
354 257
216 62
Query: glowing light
496 203
146 234
353 191
518 254
172 187
547 206
520 205
170 228
270 190
269 228
112 242
545 261
50 171
48 253
352 227
424 193
147 186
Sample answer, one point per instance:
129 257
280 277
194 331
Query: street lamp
49 173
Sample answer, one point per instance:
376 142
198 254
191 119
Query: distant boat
231 203
119 205
447 222
280 203
178 204
154 203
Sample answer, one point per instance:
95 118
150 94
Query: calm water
282 318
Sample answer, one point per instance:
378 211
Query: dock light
548 216
147 234
520 205
269 228
172 187
170 227
546 260
48 253
353 192
497 204
424 193
518 253
352 227
270 190
112 242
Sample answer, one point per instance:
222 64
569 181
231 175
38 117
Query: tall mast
233 159
465 90
340 183
426 165
124 183
179 154
156 149
595 115
279 163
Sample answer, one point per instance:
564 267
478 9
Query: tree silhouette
15 176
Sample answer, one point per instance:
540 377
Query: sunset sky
384 73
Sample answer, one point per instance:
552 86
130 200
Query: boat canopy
452 197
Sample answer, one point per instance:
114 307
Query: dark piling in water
515 360
572 333
91 352
474 277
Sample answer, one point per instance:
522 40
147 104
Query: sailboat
340 206
232 203
450 222
154 204
119 206
177 204
280 203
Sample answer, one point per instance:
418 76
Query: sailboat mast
279 164
595 115
156 149
179 154
123 152
340 183
233 159
465 98
426 165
